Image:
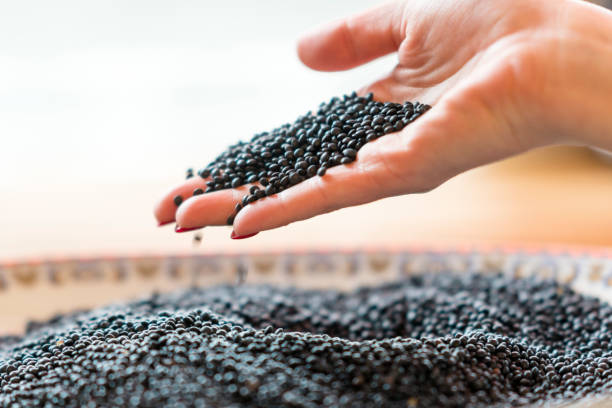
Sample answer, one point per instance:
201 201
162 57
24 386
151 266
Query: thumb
353 41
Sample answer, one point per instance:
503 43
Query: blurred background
104 104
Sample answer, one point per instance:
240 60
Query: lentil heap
276 160
442 340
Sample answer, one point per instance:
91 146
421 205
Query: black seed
351 153
321 171
432 340
270 190
236 182
198 191
311 171
294 178
178 200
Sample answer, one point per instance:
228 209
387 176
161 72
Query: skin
503 77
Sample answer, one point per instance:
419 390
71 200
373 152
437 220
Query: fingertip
163 212
318 49
165 209
186 211
245 223
303 48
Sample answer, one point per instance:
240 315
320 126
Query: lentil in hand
292 153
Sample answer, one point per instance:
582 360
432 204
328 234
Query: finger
353 41
211 208
166 208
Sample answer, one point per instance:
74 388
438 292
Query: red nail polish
181 229
161 224
234 236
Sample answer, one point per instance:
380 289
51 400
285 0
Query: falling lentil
438 340
306 148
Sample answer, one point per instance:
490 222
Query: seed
321 171
350 153
178 200
431 340
294 178
270 190
198 191
311 171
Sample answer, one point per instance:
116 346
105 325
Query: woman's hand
502 76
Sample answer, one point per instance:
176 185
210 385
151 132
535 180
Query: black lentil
296 151
439 340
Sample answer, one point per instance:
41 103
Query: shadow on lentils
427 341
276 160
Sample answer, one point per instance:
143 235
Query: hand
503 77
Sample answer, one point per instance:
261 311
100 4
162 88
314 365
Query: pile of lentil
274 161
442 340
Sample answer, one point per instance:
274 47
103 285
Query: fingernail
234 236
161 224
181 229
